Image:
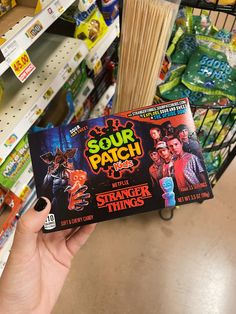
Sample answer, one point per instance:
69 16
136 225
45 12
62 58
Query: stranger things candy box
118 165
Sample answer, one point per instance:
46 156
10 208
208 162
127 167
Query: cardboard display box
119 165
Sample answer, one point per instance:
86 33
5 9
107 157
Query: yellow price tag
98 67
2 40
20 63
25 192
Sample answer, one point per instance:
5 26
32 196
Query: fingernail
40 205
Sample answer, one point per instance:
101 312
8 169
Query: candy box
119 165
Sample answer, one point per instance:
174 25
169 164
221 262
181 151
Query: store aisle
142 265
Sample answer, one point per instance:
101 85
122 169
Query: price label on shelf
22 66
98 67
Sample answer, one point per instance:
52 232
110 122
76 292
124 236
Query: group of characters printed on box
177 161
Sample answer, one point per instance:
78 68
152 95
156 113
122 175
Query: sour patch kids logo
114 148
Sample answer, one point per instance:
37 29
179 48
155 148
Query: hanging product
146 30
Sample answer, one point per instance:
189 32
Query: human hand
39 263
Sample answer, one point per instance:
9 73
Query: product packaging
90 26
6 5
119 165
15 164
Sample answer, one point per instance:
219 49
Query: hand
39 263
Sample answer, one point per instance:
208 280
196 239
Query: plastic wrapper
213 161
175 89
184 49
208 71
90 26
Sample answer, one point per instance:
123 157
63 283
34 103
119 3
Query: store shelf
5 251
101 47
83 95
101 105
55 58
21 37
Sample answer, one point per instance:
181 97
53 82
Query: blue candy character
167 186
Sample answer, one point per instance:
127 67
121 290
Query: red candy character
76 189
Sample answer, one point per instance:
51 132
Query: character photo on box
177 156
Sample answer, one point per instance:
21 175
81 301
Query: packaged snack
175 71
15 164
90 26
175 89
110 10
165 68
84 5
9 215
2 197
223 35
184 49
77 80
178 34
104 168
213 161
208 71
228 49
216 135
215 126
202 24
6 5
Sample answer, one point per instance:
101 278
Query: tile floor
143 265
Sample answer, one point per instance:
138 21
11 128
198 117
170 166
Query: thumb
29 225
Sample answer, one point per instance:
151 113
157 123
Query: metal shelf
55 58
101 47
21 34
83 95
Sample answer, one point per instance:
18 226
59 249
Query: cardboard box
119 165
23 8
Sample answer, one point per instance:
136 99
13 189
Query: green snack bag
184 49
15 164
175 89
208 71
175 71
174 41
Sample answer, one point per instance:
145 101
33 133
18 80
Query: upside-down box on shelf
119 165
